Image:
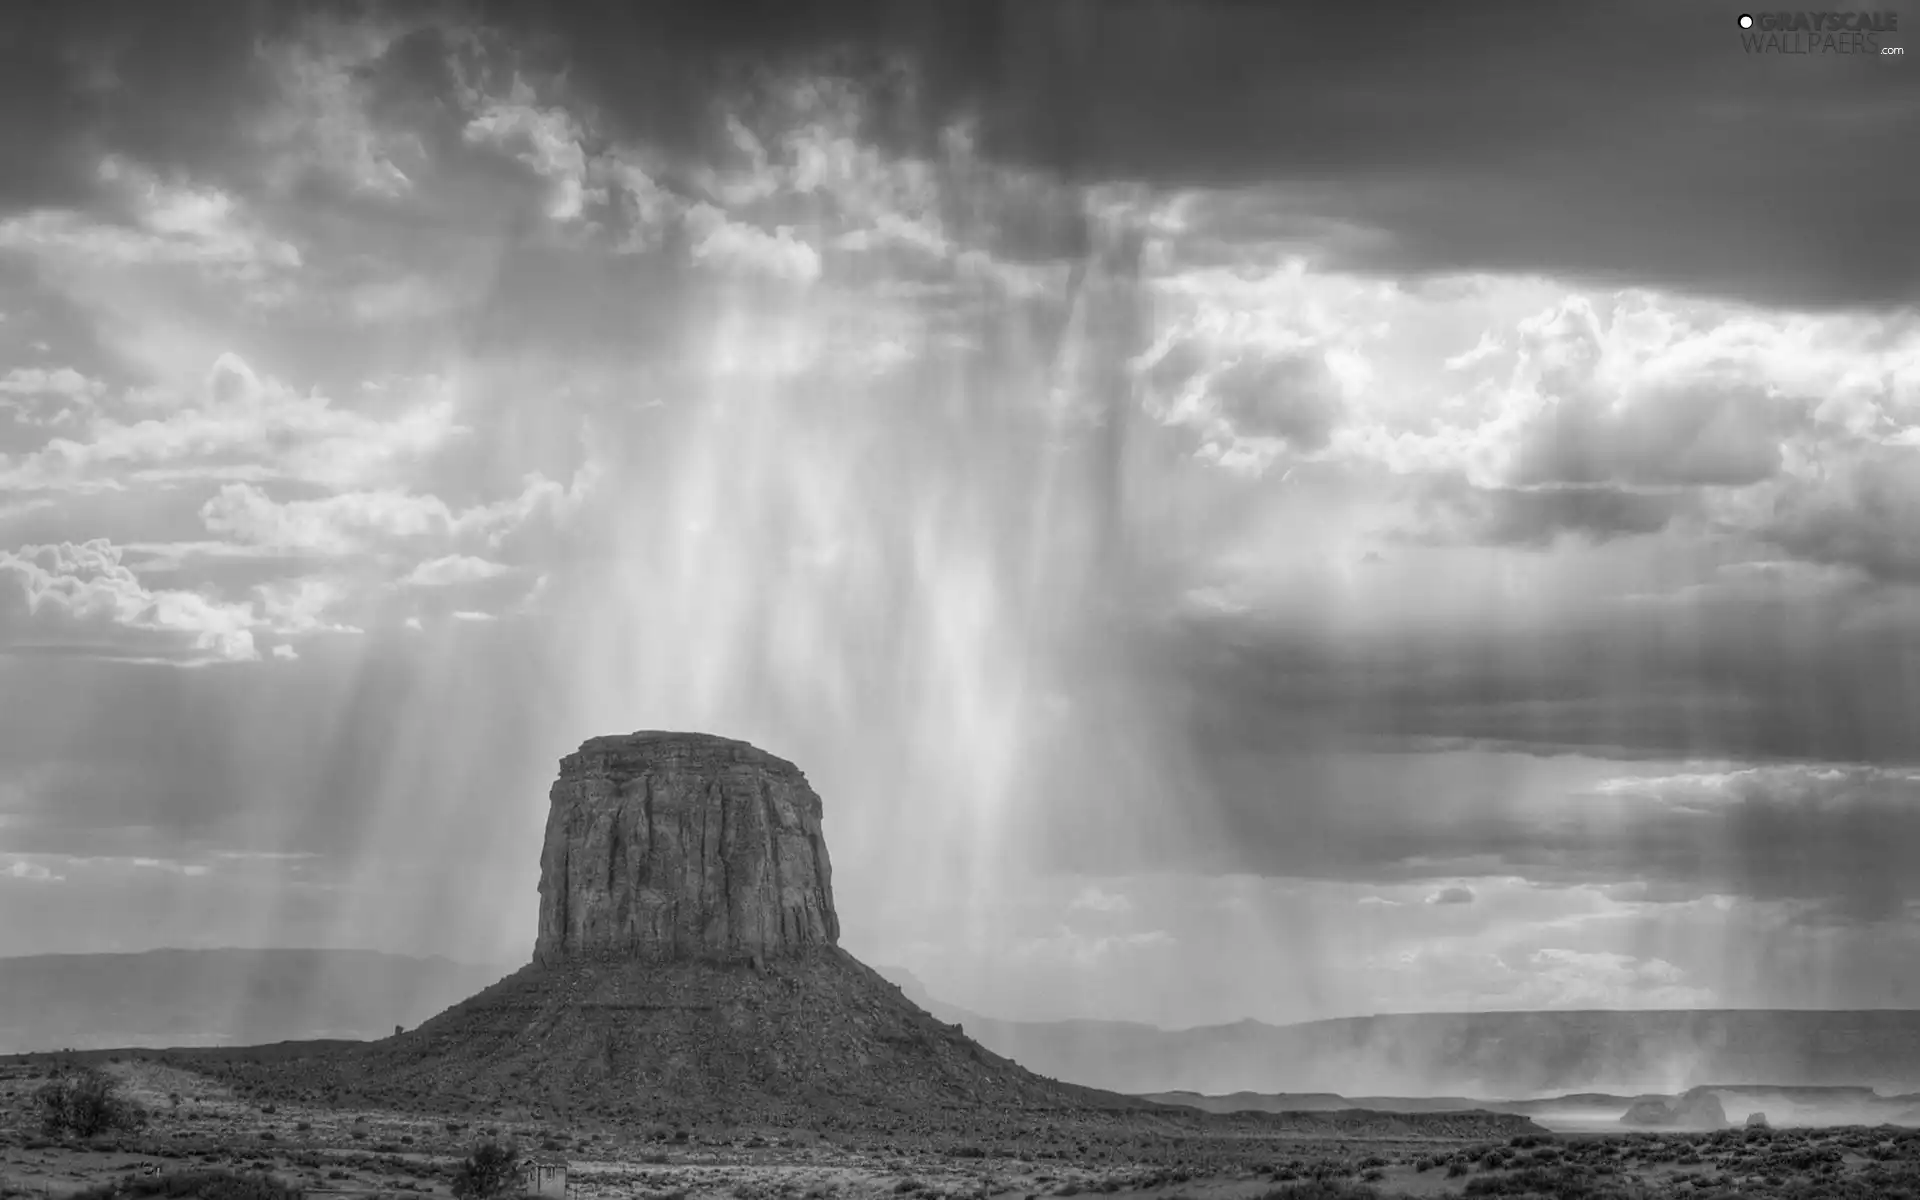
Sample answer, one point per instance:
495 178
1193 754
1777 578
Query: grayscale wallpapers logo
1820 33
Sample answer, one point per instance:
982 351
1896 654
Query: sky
1241 511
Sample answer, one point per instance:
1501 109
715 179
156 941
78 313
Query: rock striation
680 846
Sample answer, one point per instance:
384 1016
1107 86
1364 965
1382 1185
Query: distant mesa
1757 1120
1697 1108
1701 1109
1649 1110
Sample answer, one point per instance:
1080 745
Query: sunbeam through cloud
1286 551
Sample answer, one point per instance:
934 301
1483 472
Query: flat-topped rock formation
676 846
685 968
1697 1108
686 971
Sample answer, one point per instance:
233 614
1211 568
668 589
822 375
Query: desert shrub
1323 1189
84 1104
1567 1183
489 1171
199 1185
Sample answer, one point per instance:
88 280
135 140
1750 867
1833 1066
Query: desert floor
196 1123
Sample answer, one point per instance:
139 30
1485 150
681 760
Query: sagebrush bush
211 1184
85 1103
1323 1189
491 1170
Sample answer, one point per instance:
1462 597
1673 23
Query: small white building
541 1175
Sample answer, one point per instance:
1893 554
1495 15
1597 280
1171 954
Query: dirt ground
196 1123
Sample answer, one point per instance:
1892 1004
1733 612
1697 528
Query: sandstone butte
664 847
687 970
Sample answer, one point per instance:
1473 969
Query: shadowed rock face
673 846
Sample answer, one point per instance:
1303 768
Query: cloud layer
1160 523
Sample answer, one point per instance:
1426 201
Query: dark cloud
1848 839
1842 841
1452 510
1508 138
1861 510
1293 397
1521 517
1759 674
1240 751
37 316
1704 436
1170 372
1628 142
1641 891
169 88
1631 143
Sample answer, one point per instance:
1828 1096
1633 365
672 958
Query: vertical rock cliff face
673 846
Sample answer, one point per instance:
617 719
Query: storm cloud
1178 478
